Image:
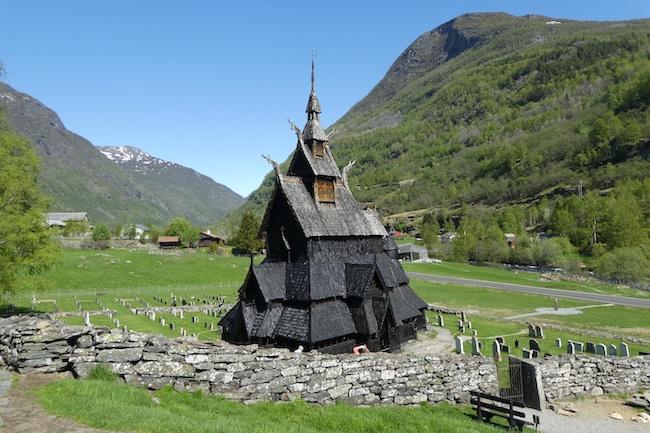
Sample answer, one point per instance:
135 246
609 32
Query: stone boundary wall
249 373
580 375
244 373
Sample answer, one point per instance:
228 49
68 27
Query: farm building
61 219
168 242
331 279
208 238
411 252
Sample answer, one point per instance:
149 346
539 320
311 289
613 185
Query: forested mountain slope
492 109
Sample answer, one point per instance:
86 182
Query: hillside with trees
490 112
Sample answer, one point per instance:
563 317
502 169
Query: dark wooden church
331 279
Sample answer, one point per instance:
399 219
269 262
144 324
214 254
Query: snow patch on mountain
135 157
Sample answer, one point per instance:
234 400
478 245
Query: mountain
78 177
493 109
181 190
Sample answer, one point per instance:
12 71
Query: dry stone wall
249 373
580 375
245 373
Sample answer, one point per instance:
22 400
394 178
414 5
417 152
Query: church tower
331 279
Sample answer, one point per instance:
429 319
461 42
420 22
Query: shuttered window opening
318 148
325 190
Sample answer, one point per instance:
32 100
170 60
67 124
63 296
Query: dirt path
21 414
443 342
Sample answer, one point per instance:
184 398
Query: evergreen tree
246 237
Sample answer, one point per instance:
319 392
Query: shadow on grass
7 310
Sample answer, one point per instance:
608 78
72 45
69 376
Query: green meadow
106 404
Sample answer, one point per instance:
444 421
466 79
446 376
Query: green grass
487 273
114 406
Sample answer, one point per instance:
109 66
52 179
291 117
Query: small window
325 190
318 148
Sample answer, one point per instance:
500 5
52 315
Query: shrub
625 265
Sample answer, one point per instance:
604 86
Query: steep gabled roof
269 321
390 272
293 324
319 165
401 309
270 278
344 218
330 319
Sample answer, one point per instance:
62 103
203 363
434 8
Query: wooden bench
488 406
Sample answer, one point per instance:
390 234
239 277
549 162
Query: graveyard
187 294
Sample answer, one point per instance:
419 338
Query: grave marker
459 345
612 350
601 349
571 348
591 347
87 319
624 350
526 353
539 332
533 345
531 330
441 320
496 350
476 346
558 342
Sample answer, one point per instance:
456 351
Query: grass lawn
465 270
488 309
118 407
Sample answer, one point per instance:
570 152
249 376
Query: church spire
313 105
313 130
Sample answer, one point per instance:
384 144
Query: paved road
556 293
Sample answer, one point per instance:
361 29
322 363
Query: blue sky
210 84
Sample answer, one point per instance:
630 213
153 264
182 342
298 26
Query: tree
627 265
101 233
117 231
246 237
25 245
182 228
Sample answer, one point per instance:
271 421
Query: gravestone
182 332
125 329
612 350
474 332
533 345
571 348
162 322
534 353
462 316
441 320
496 350
180 314
459 345
172 326
539 332
87 319
558 342
624 350
500 340
469 324
601 349
505 348
211 326
461 326
152 315
531 330
517 343
526 353
591 347
579 345
117 323
476 346
195 319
